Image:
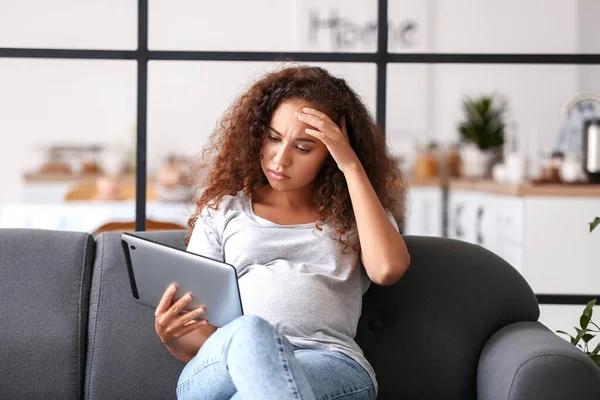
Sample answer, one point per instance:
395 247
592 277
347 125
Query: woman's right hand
170 323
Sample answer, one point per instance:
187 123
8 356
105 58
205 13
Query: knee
252 326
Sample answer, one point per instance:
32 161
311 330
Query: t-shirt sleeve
207 237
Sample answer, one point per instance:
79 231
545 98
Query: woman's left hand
333 136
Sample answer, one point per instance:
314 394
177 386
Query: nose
282 157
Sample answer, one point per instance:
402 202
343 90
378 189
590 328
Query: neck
297 200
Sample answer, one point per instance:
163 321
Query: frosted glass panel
492 26
73 24
264 25
45 103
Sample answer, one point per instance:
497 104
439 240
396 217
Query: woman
301 197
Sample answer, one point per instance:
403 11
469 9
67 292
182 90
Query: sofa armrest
526 360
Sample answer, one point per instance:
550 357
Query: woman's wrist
354 170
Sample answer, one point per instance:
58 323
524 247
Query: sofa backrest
125 357
44 293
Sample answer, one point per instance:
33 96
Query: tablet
153 266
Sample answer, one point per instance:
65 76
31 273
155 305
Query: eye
301 150
273 139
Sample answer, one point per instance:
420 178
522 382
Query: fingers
315 133
192 315
166 316
171 325
166 300
312 120
179 305
323 123
190 328
316 113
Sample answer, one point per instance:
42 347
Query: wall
48 101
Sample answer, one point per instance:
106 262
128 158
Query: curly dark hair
232 154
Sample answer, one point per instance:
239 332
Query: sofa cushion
424 334
44 292
126 358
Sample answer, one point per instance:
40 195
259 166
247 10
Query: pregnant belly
301 304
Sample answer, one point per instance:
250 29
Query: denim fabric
248 359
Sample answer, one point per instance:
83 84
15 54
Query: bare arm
383 251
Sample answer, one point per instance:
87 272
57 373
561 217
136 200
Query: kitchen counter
35 177
415 181
524 189
527 189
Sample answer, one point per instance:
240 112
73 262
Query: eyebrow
297 139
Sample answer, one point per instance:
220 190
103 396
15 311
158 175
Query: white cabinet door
424 211
462 211
511 219
486 215
490 220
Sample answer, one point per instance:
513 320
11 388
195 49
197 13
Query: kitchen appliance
582 120
591 149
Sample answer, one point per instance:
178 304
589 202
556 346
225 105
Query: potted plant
482 133
584 333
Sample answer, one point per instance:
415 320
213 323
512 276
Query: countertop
524 189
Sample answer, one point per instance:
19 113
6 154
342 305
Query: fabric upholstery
126 359
424 334
525 360
44 292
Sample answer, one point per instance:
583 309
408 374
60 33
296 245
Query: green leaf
584 321
587 312
587 337
596 350
596 359
594 223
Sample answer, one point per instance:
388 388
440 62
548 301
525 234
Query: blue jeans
248 359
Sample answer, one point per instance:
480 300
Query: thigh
334 375
206 376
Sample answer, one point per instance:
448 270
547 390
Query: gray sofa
461 324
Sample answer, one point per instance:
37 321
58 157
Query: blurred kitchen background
502 153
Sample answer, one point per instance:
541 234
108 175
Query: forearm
383 250
186 347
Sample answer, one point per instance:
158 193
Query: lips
278 175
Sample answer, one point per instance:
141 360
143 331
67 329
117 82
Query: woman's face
291 158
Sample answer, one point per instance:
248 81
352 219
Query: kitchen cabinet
543 234
489 220
424 208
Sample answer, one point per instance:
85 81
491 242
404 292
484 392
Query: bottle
591 150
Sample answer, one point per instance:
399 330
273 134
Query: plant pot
475 163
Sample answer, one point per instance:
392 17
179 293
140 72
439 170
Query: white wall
46 101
